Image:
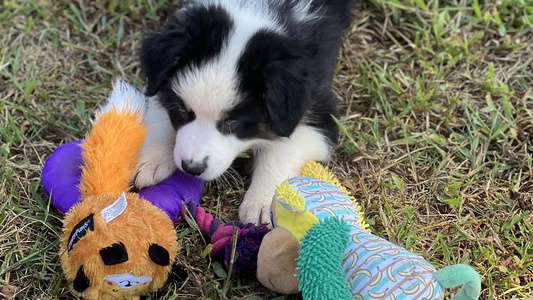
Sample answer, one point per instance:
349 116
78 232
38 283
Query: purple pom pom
249 238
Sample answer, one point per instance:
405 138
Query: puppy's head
228 79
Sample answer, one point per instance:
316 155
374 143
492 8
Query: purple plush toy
61 177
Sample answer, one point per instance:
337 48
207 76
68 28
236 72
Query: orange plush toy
114 244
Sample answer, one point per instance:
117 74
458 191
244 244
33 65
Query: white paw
255 208
153 171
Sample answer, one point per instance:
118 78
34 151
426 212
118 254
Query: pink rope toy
249 239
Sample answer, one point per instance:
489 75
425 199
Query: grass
437 123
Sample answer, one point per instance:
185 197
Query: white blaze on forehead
211 88
261 7
208 90
302 10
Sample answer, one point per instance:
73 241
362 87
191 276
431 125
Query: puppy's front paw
255 208
153 171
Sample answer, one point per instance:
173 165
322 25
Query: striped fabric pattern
374 267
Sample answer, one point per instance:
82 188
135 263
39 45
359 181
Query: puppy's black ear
160 54
273 68
286 93
191 35
81 282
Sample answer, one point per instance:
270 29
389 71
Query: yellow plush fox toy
114 244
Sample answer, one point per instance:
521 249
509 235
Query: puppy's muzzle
194 167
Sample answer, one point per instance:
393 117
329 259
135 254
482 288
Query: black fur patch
114 254
273 78
81 282
159 255
324 109
193 35
178 113
80 230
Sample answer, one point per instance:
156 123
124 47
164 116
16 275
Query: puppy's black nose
194 167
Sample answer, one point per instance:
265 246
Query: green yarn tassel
320 261
456 275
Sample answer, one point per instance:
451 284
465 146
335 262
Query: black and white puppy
234 75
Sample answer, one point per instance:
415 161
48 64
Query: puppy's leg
276 161
157 158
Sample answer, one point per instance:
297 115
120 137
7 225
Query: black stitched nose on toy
194 167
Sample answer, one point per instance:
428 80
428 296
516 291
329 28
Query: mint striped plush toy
320 238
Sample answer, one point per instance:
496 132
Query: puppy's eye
180 106
230 122
228 126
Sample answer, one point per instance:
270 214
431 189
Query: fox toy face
117 247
